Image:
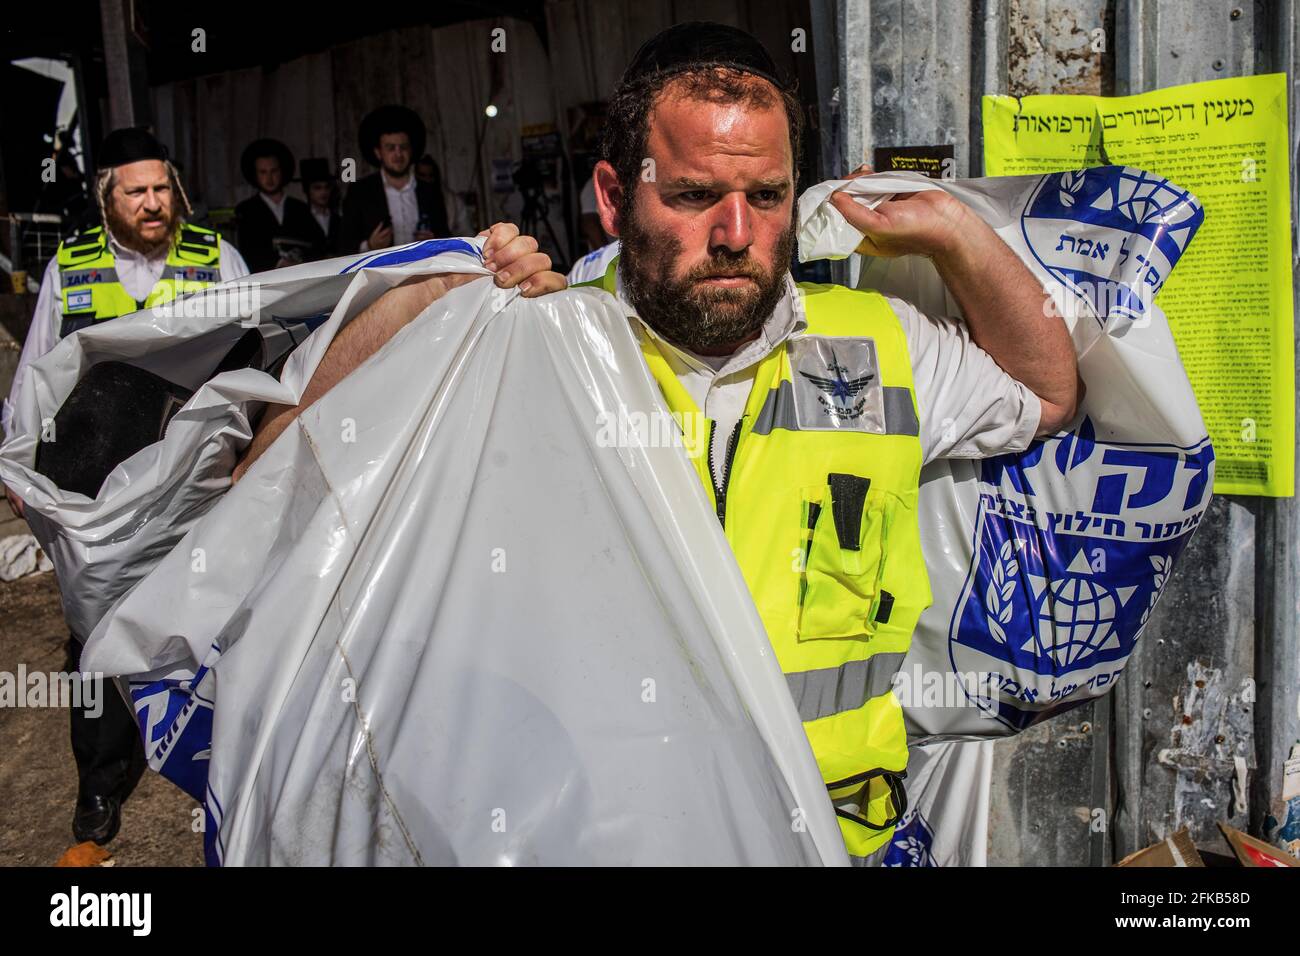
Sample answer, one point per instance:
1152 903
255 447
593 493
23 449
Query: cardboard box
1176 849
1252 852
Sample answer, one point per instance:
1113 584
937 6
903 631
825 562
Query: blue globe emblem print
1138 196
1110 235
1143 198
1076 616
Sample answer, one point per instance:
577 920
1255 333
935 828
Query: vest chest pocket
845 535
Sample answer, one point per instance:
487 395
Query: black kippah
129 145
687 46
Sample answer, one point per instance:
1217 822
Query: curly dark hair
627 125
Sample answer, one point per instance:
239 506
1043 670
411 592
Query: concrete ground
38 779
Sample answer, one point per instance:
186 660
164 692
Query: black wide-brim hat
130 144
391 119
266 147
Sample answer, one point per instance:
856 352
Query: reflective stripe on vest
92 291
820 509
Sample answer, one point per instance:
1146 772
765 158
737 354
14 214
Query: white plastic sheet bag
21 555
947 817
1046 565
439 622
595 263
101 547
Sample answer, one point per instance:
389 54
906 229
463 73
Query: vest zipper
720 491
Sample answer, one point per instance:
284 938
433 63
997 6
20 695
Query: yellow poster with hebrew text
1229 301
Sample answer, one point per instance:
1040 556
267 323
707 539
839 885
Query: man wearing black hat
392 206
821 403
319 188
144 255
274 229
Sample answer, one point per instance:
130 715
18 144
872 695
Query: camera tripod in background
535 214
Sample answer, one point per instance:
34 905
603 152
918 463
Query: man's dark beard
698 318
125 233
396 174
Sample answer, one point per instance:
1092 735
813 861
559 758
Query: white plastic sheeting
440 621
20 556
102 546
947 818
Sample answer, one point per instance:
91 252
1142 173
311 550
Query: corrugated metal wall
1217 673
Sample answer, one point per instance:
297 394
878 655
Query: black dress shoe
97 818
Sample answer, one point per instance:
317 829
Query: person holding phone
392 206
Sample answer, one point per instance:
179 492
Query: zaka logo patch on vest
86 277
79 300
836 384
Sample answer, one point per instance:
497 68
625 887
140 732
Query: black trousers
108 748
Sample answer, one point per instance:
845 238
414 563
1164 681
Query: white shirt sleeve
41 337
969 407
233 265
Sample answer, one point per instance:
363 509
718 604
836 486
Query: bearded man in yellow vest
819 403
143 255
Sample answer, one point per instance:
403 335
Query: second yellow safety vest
818 500
93 293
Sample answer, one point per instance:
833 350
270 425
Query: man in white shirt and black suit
271 215
392 207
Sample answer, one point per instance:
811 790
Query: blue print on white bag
912 843
175 717
1055 601
1110 234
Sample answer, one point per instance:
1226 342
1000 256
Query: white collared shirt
277 208
322 217
137 273
969 407
403 208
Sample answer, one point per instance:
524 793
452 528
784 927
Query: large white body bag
443 619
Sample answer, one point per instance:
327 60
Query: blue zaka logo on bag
175 718
1055 601
912 843
1110 234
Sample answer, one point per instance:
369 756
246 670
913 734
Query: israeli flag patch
79 300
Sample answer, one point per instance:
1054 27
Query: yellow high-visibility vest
92 292
818 500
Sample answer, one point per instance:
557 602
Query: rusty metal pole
117 64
